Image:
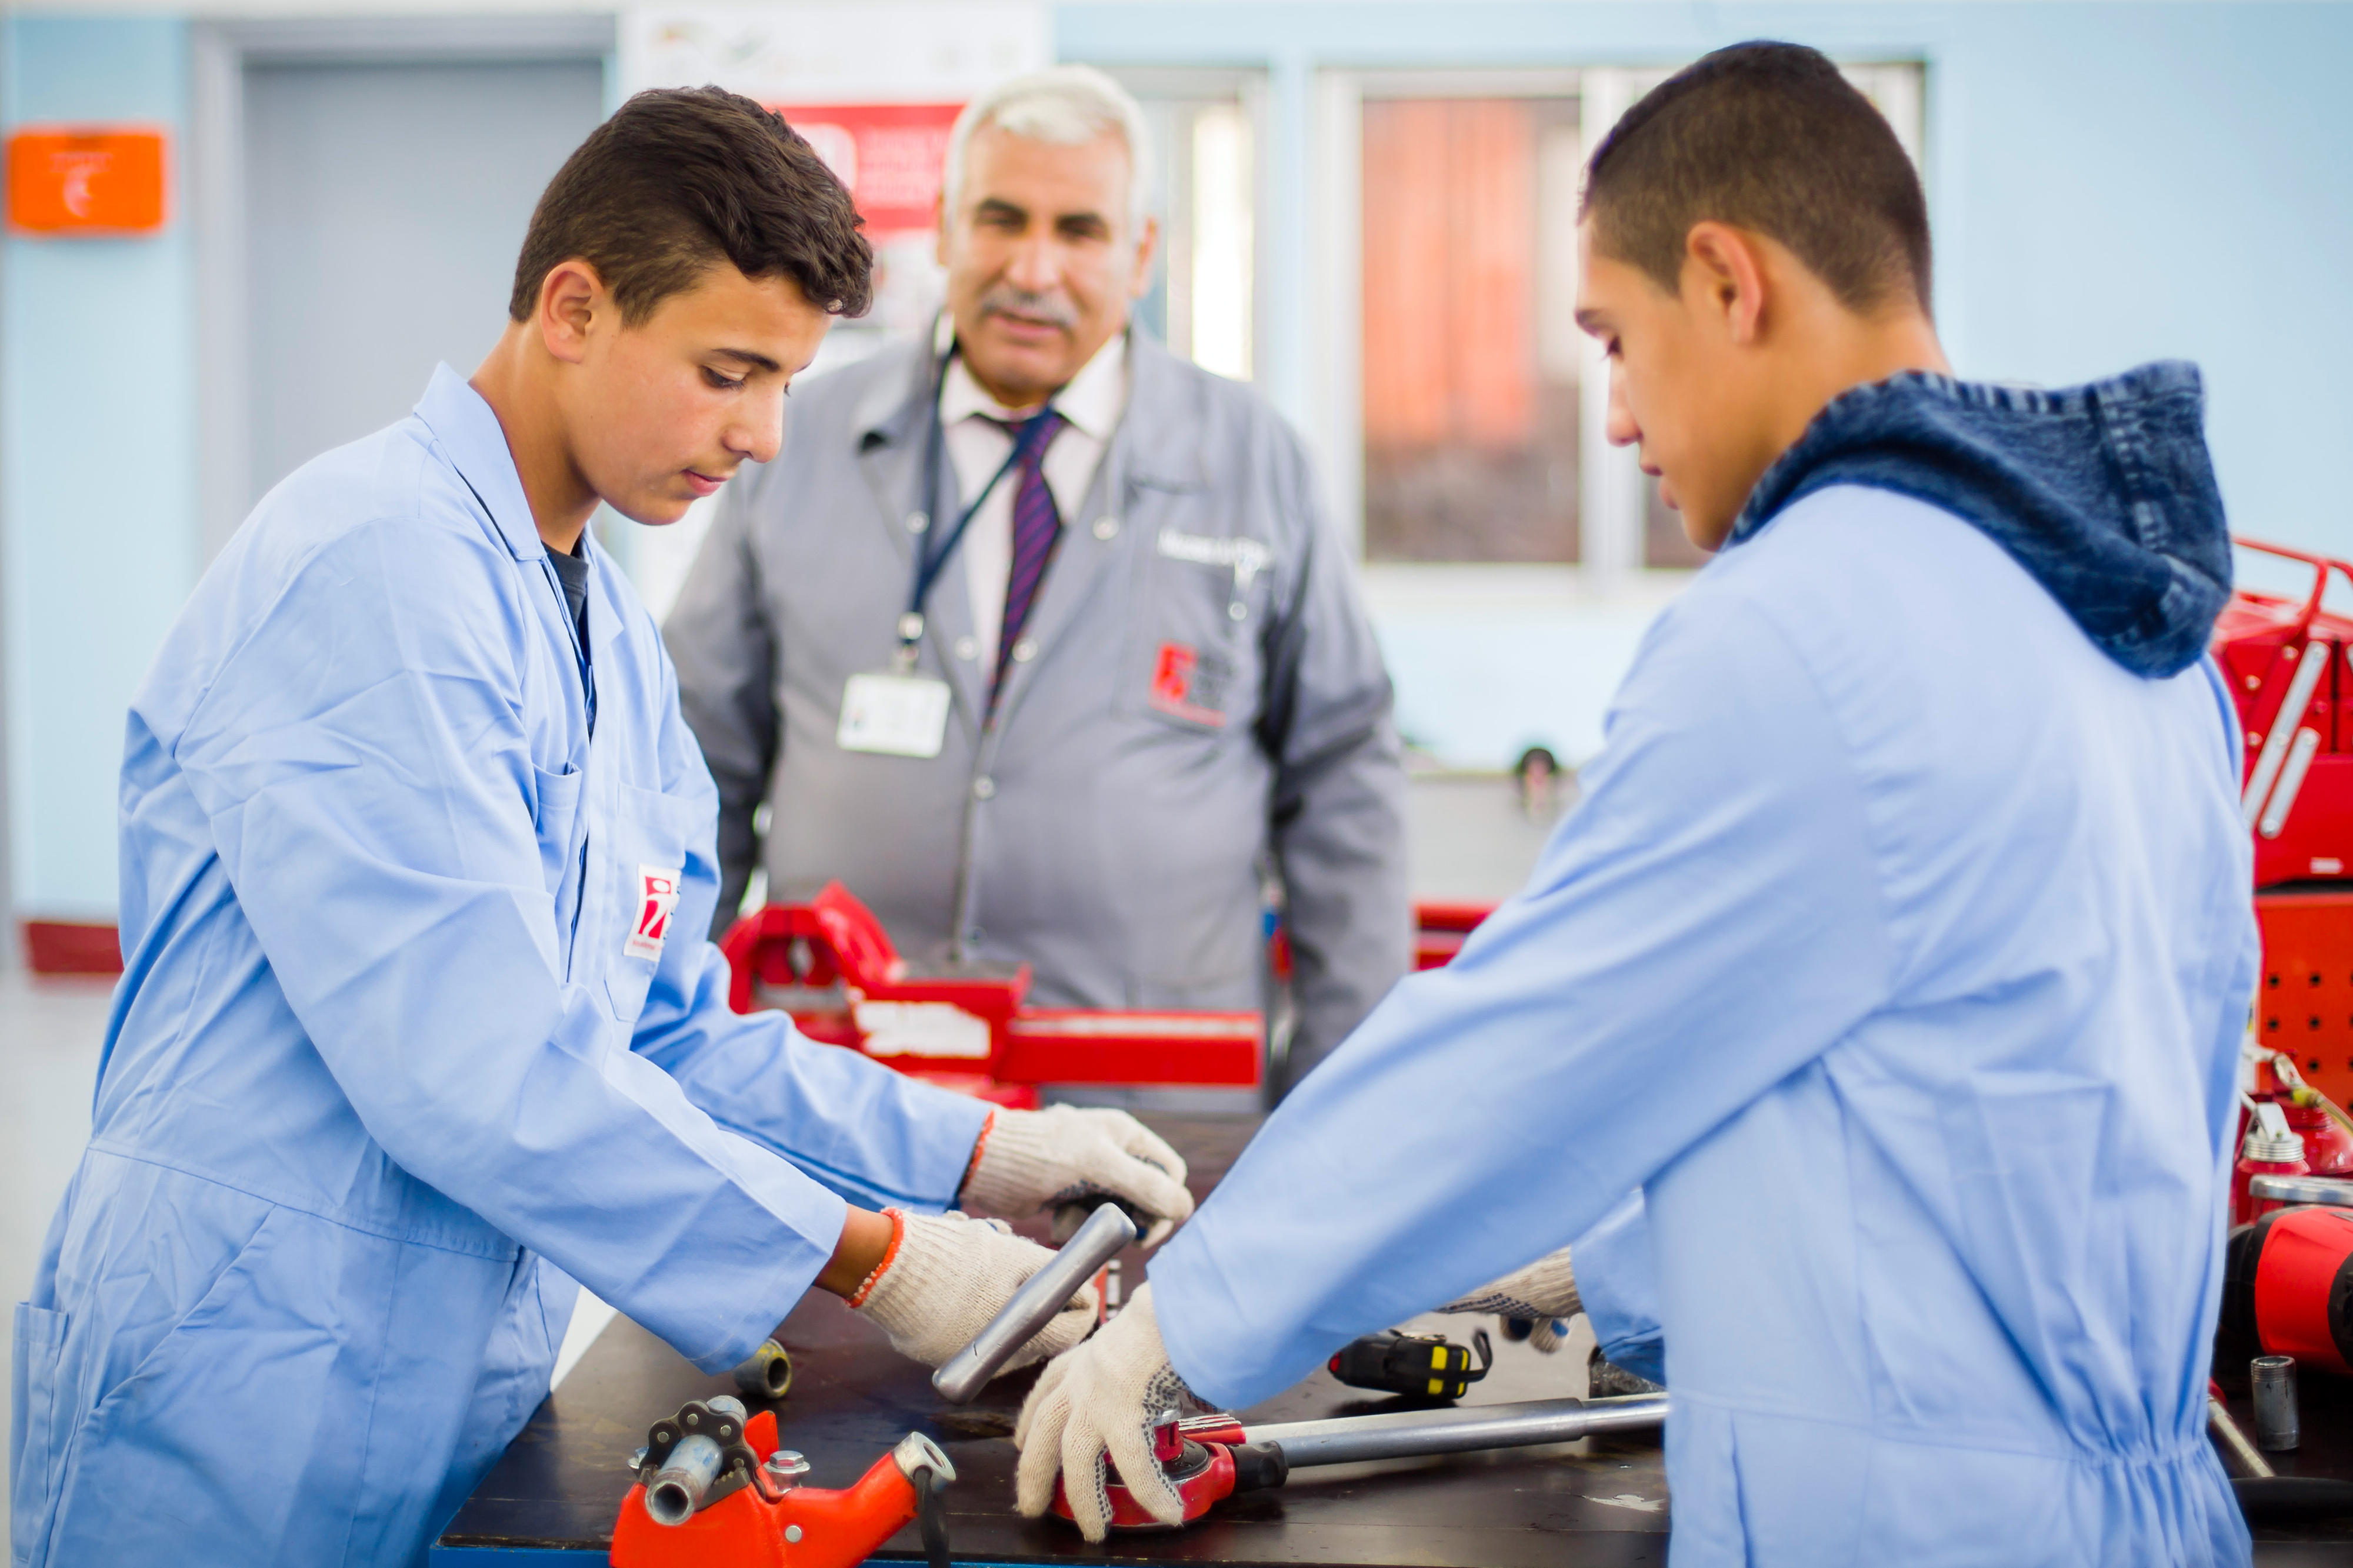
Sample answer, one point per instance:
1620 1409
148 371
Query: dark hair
1767 137
681 177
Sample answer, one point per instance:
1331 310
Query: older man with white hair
1036 636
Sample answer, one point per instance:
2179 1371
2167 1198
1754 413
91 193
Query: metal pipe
1033 1306
673 1495
2332 1190
2239 1457
1412 1434
768 1375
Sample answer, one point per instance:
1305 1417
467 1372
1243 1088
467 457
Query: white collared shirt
1091 406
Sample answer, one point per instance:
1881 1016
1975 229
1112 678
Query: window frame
1248 87
1613 494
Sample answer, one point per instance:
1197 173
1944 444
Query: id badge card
896 715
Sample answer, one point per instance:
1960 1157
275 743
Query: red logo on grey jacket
1190 683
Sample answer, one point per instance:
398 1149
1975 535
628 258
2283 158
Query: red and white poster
890 155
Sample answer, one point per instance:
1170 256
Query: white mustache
1046 308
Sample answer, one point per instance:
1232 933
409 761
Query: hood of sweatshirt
2103 493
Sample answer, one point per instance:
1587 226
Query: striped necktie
1037 525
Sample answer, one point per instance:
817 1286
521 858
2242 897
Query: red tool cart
829 964
2285 660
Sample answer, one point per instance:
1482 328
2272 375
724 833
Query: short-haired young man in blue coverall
1899 950
417 1025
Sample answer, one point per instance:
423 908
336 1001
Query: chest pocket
643 867
1204 599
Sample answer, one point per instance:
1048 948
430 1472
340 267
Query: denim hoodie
2105 493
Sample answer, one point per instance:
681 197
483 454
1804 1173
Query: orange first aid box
65 180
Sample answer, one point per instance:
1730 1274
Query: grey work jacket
1184 726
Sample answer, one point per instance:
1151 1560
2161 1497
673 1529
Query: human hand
1030 1159
1544 1293
946 1276
1095 1402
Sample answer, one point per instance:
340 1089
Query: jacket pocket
33 1408
1192 662
220 1368
555 810
645 859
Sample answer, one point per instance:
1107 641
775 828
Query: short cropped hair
681 178
1067 105
1771 137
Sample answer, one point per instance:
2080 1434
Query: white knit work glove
1101 1399
1545 1290
1026 1160
946 1276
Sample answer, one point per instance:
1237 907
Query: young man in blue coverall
417 1025
1898 952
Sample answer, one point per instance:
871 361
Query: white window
1203 301
1460 411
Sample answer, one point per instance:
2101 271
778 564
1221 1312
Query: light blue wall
97 514
2110 184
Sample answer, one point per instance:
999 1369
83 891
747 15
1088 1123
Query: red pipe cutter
1203 1471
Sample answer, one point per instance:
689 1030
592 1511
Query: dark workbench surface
1601 1501
2326 1406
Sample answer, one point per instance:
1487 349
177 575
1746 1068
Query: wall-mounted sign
889 154
85 180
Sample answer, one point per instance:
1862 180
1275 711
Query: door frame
220 52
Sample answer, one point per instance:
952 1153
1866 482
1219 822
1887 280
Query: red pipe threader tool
714 1488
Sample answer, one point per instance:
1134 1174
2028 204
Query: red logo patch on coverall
657 896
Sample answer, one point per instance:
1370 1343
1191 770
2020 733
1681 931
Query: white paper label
922 1029
897 715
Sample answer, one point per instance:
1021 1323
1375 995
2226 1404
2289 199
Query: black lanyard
930 562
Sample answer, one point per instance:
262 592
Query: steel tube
2239 1457
768 1375
1033 1306
678 1489
2332 1190
1413 1433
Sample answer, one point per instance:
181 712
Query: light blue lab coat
385 1072
1900 951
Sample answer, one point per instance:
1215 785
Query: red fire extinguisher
2270 1148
